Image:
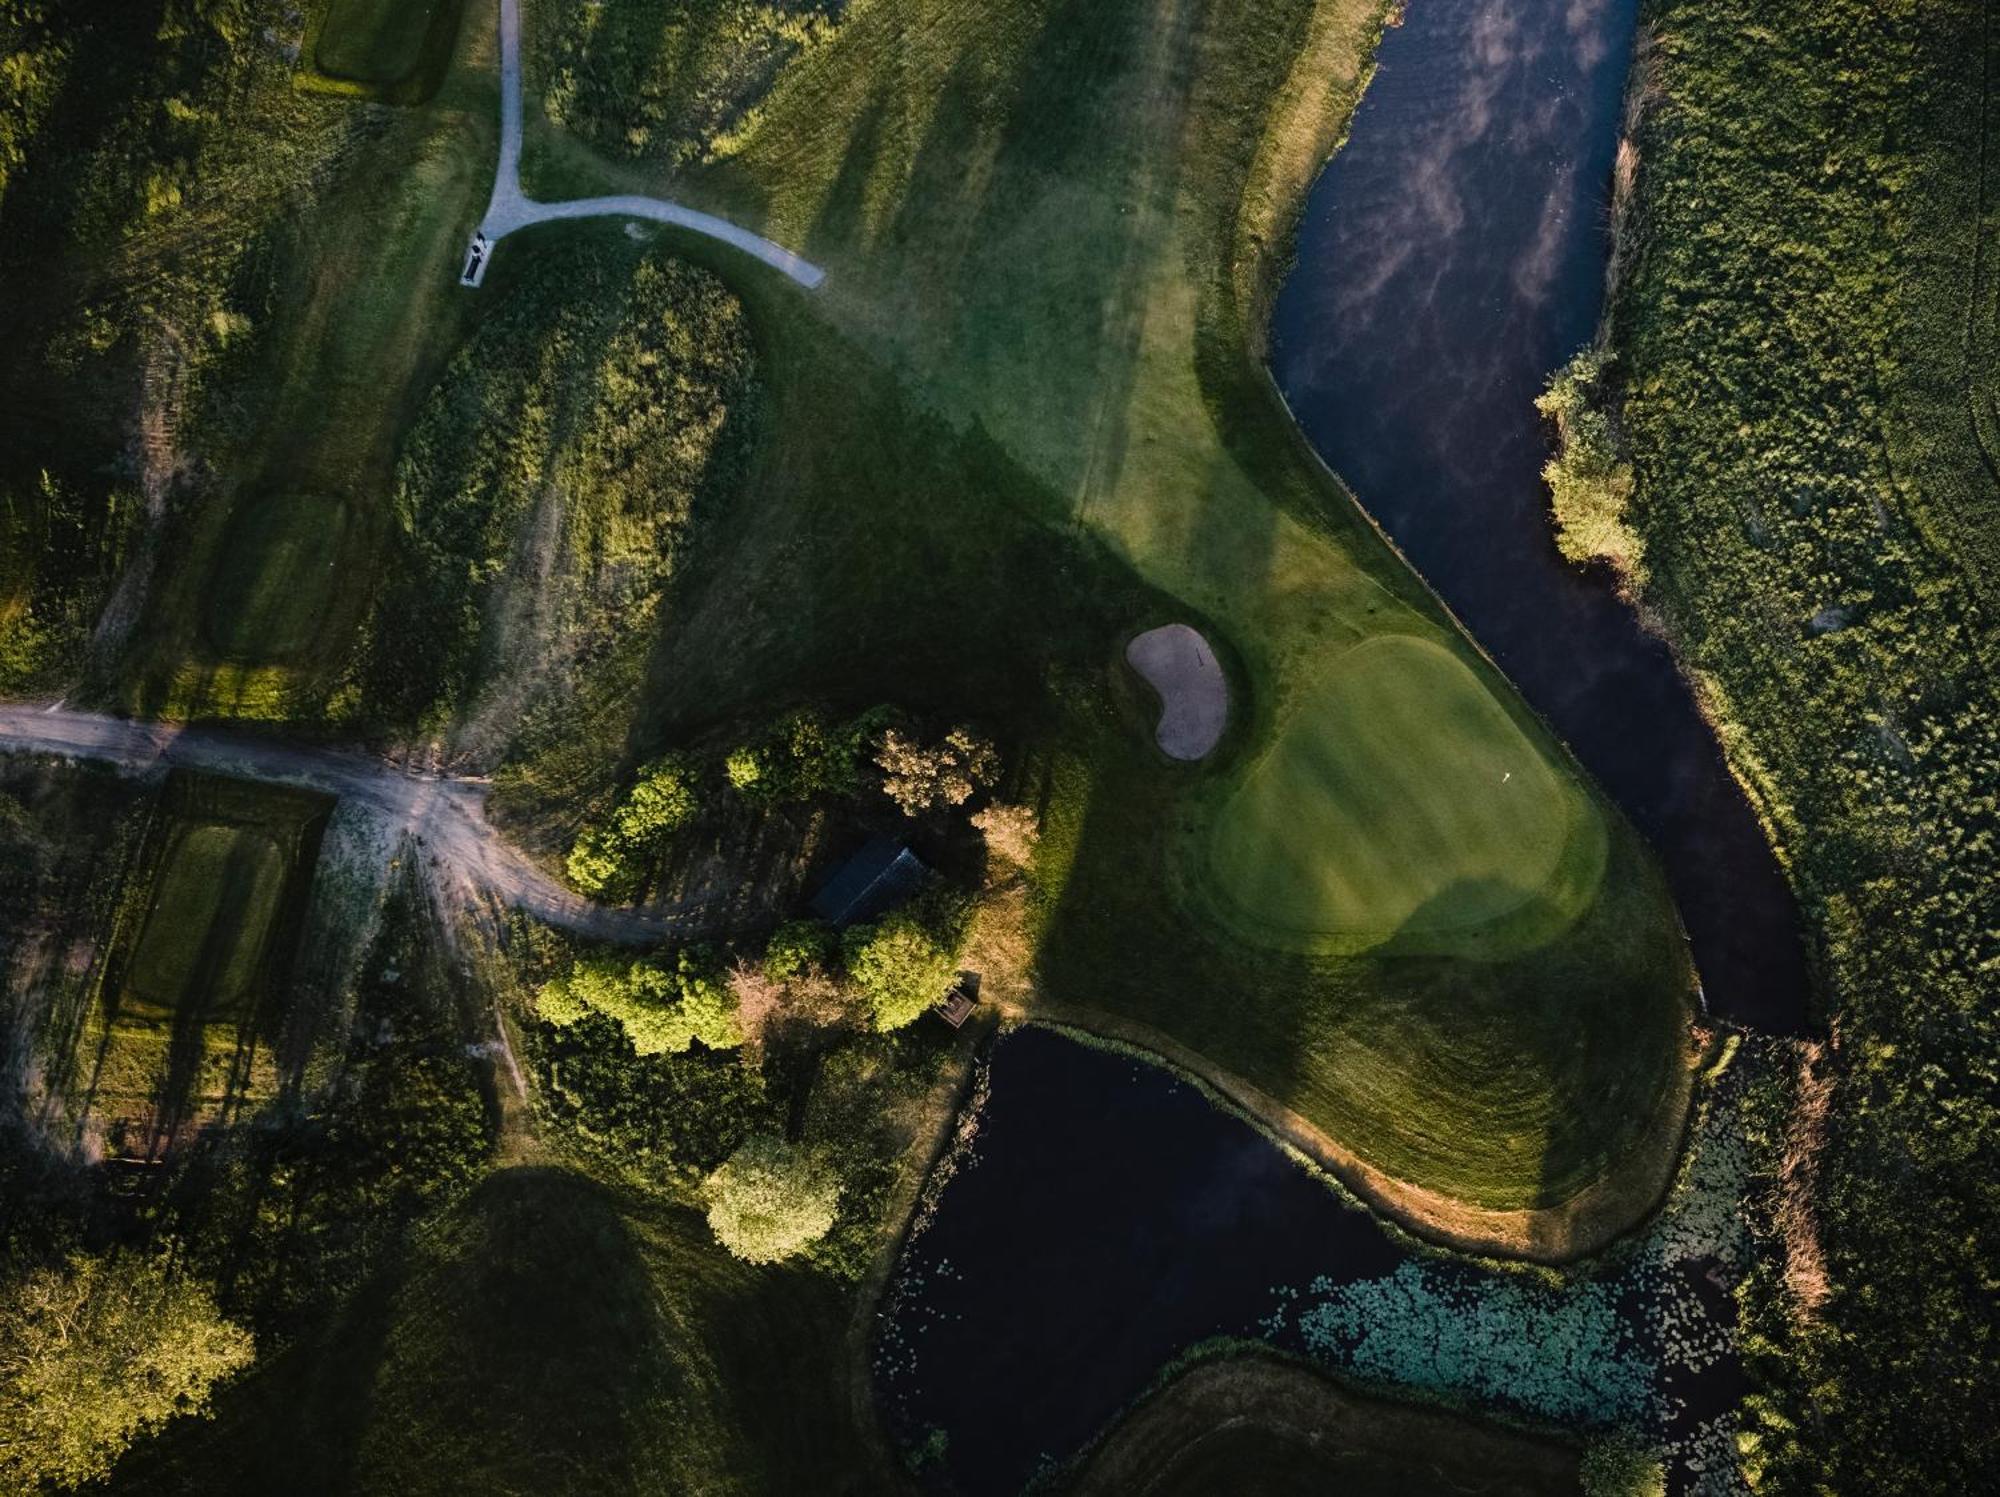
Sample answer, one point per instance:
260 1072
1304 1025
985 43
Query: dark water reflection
1111 1218
1450 257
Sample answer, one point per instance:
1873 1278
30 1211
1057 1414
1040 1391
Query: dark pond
1450 257
1109 1218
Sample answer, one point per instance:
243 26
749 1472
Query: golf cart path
510 208
446 815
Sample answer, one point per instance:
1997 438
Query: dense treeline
1804 337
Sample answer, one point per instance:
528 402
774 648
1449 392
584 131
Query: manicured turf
280 563
212 914
1022 417
1399 799
375 41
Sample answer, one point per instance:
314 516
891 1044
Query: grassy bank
1806 332
1258 1424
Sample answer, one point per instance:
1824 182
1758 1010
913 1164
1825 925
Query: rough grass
375 41
365 309
1024 408
278 569
1401 800
184 1019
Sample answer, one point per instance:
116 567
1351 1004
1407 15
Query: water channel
1450 257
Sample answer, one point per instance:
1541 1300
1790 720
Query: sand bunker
1177 663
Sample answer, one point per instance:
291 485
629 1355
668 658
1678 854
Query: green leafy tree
663 1010
598 865
1590 480
610 859
97 1353
803 756
900 966
661 802
771 1200
796 948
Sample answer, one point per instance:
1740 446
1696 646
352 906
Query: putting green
276 578
1400 799
374 41
213 908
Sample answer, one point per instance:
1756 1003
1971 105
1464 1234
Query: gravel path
511 208
446 815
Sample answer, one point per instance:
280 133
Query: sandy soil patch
1194 698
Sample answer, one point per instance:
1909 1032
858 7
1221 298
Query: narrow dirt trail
446 815
510 208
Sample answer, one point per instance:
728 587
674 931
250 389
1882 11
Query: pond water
1106 1218
1450 257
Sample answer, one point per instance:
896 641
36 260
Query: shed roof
877 878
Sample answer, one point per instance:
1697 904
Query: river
1451 255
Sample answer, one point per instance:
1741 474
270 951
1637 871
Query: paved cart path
446 814
511 208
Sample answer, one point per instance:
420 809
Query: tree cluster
662 1008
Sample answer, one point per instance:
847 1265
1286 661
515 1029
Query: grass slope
549 1335
1256 1424
1030 371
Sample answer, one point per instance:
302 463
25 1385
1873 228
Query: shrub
1010 832
900 967
662 1010
1590 480
1619 1466
97 1353
770 1200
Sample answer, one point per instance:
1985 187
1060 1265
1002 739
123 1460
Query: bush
97 1353
771 1200
1010 832
662 1010
900 966
1590 480
1622 1467
611 860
